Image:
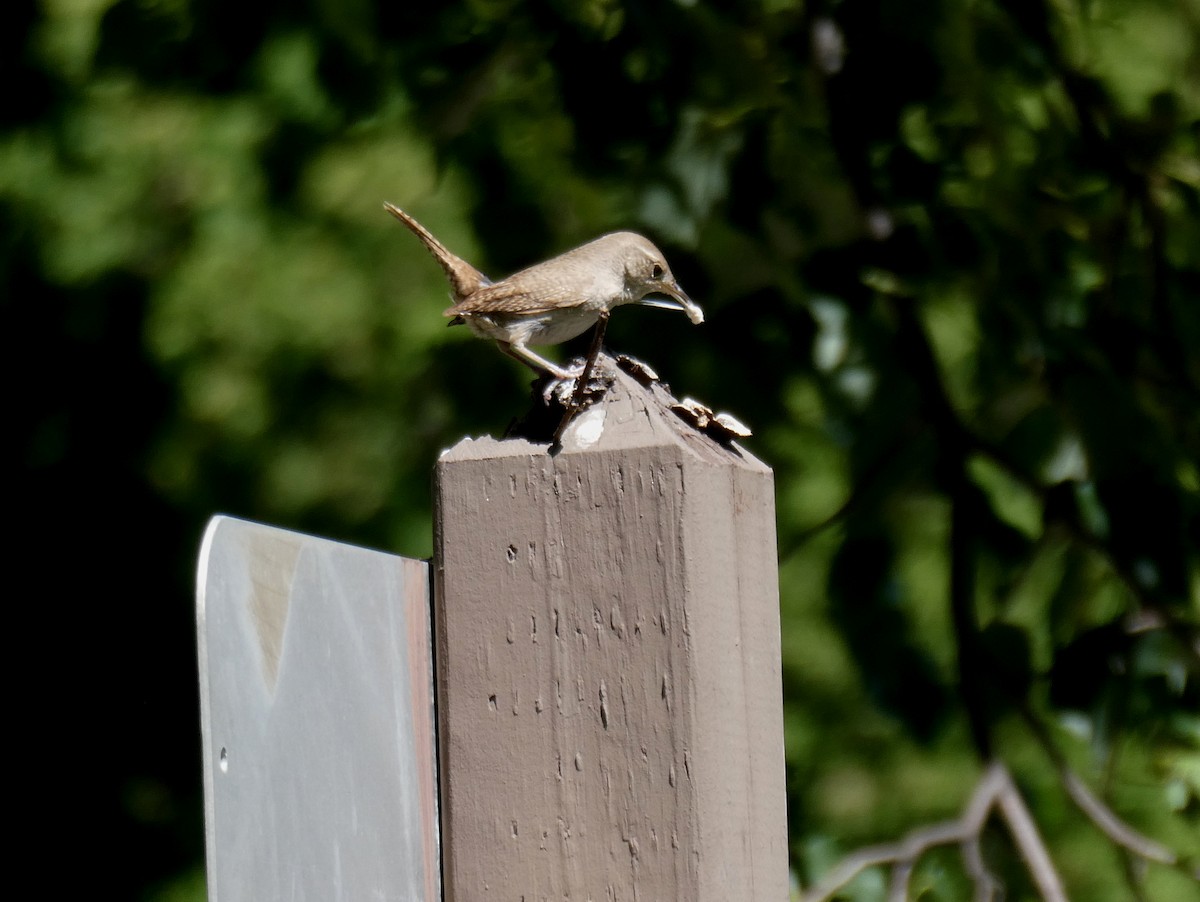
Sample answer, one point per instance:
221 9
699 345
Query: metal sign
317 703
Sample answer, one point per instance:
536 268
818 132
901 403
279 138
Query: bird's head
647 273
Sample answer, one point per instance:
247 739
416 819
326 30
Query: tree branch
1102 817
1113 827
1029 843
995 789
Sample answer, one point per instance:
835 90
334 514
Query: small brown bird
556 300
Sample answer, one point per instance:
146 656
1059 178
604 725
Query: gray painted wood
316 692
609 686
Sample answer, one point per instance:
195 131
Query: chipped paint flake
587 428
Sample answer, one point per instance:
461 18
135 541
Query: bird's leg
582 380
590 361
530 359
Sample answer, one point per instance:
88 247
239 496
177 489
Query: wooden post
608 666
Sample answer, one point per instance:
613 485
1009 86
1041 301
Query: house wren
558 299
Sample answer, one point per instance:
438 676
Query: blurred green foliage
950 254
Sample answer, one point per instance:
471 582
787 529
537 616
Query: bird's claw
564 387
559 388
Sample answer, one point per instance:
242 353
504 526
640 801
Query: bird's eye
656 272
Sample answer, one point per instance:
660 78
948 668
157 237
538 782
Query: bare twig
1029 842
898 887
1112 826
987 886
1094 808
1107 822
995 789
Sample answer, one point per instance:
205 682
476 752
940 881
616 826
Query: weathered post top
608 670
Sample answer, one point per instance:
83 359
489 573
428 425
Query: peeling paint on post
608 671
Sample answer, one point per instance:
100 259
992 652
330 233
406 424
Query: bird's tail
464 278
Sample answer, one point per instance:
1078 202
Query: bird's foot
562 400
558 388
563 383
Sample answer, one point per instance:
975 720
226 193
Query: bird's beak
679 301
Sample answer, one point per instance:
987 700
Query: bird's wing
517 295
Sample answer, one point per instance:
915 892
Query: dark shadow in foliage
205 45
111 735
1084 668
285 155
30 92
1008 659
867 607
